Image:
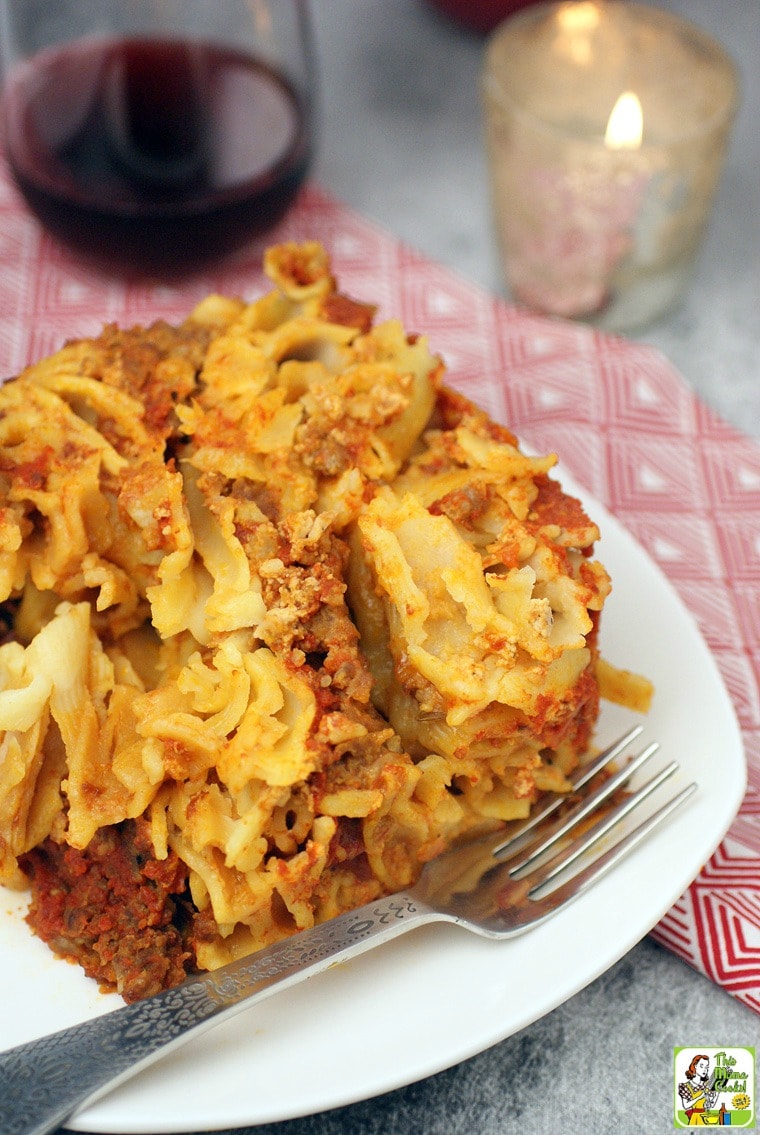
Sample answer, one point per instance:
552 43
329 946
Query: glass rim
495 96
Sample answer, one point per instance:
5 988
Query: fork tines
531 850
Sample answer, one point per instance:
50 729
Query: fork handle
45 1082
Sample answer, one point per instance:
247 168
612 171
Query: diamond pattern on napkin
685 483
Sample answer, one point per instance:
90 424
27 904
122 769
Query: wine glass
157 135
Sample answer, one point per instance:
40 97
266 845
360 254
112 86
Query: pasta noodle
284 616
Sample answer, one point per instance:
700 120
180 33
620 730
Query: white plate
437 995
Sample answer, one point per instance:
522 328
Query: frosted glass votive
606 126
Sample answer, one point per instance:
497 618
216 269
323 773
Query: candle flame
625 128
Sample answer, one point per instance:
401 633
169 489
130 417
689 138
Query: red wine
155 155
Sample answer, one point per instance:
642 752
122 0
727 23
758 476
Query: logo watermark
713 1087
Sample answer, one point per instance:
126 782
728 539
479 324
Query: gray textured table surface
401 143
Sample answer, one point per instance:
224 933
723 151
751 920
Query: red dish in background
480 15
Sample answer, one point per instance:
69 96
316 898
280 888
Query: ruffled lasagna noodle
282 617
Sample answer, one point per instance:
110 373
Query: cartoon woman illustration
698 1095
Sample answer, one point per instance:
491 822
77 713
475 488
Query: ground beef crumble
113 908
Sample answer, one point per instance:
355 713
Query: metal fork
497 886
